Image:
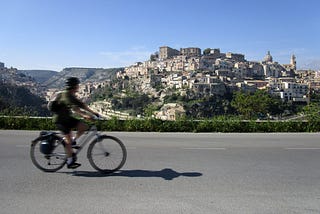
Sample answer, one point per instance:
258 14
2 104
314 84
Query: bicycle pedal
76 147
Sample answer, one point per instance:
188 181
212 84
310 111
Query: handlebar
99 117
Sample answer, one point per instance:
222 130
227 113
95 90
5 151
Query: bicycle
105 153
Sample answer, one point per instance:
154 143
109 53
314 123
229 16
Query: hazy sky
54 34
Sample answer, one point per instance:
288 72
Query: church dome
268 57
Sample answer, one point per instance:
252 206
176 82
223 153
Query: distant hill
312 65
40 76
17 98
84 75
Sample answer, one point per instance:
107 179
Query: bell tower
293 62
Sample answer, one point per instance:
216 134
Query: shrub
182 125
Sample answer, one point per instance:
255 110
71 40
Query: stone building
195 52
268 58
292 65
170 111
166 52
235 57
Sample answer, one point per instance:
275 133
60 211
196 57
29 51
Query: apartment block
291 91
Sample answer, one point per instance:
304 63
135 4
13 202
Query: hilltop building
268 58
166 52
293 64
190 52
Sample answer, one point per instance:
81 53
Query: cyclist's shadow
167 174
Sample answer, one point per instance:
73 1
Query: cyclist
65 121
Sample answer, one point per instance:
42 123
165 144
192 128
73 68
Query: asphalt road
171 173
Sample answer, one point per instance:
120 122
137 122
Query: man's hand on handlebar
96 116
88 117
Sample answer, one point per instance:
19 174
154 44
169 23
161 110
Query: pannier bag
47 142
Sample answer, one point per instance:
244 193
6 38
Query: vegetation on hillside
245 105
18 100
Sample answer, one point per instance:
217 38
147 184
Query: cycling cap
71 82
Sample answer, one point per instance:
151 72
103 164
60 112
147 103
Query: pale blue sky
54 34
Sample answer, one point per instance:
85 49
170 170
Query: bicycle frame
87 137
100 157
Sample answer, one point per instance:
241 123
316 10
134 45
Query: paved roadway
172 173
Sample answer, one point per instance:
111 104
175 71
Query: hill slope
39 75
19 100
84 75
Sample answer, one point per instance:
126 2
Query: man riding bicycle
65 121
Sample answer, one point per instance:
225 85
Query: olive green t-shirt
67 102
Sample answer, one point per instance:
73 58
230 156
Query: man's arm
85 114
90 110
81 113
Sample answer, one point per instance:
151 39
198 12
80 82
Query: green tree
252 105
206 51
276 106
149 110
241 103
312 111
207 107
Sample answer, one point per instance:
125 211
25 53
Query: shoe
73 165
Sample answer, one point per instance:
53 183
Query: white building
291 91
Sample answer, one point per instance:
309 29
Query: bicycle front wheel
107 154
48 162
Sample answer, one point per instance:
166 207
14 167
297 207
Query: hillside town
205 73
215 73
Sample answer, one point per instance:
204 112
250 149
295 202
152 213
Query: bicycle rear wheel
48 162
107 154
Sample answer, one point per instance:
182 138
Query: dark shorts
67 125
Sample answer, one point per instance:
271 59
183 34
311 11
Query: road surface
171 173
